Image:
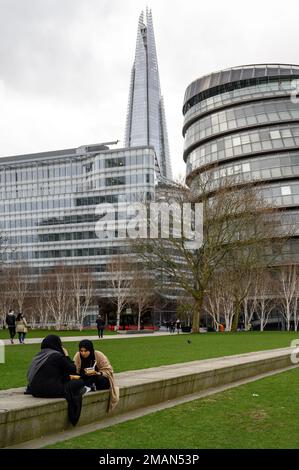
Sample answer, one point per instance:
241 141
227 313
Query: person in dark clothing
178 325
100 325
49 377
11 325
88 359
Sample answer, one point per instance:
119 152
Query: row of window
226 86
46 170
51 237
78 252
14 223
36 189
281 165
245 116
34 238
8 222
7 207
112 198
244 94
282 194
244 143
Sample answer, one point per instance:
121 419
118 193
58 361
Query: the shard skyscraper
146 123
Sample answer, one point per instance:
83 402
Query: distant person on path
178 325
21 327
11 325
100 325
172 327
96 371
50 373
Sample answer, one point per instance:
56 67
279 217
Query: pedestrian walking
11 325
178 325
21 327
172 326
100 325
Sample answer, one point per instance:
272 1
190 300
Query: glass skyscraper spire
146 123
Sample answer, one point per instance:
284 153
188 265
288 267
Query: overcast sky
65 64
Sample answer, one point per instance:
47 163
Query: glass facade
244 123
146 122
48 203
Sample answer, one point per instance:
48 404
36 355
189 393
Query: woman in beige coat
21 327
96 371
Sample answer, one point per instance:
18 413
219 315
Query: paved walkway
66 339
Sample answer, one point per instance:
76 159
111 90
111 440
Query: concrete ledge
24 418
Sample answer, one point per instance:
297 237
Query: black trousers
73 395
100 332
12 331
101 382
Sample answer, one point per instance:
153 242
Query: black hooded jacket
51 378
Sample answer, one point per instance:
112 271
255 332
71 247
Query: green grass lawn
140 353
4 334
259 415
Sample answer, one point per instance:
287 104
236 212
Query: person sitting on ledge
96 371
50 374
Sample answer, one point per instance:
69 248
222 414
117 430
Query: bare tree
40 306
238 227
82 292
213 303
120 282
250 302
57 294
20 274
185 307
142 290
264 302
288 292
6 292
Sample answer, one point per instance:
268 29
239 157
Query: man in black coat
100 325
11 325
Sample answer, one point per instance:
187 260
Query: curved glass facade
243 123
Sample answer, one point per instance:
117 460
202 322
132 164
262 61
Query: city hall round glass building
243 122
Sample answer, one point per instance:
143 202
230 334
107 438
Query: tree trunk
237 309
117 320
196 315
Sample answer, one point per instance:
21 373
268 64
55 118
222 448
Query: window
115 162
114 181
285 190
275 134
246 167
236 141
